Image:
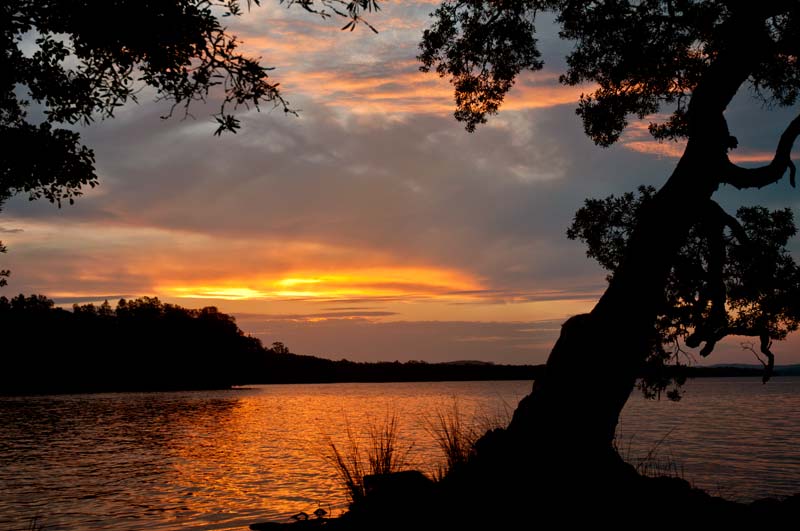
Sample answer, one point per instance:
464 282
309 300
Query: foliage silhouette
685 60
82 69
142 344
732 279
4 273
145 344
381 454
90 57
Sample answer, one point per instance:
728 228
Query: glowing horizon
369 283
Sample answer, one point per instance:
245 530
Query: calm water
224 459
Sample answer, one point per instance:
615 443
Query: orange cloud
386 283
407 90
674 150
637 138
343 69
306 279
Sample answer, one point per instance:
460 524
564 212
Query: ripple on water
223 459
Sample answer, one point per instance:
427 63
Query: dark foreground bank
603 495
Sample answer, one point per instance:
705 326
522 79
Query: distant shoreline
512 375
146 345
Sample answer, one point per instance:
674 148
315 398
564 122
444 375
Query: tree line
145 344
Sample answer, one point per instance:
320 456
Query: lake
225 459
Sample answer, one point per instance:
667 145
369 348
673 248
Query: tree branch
729 221
716 326
766 344
760 177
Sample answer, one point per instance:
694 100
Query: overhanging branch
741 178
766 344
715 293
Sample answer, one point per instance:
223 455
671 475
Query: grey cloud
419 190
414 189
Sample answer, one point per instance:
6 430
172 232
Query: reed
655 463
456 436
380 453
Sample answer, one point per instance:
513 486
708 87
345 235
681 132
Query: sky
371 226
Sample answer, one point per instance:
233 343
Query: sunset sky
372 226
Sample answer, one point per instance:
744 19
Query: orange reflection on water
252 463
265 456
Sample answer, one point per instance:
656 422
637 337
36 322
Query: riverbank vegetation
145 344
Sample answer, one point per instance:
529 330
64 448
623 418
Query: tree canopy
60 66
146 344
140 344
678 64
736 278
643 57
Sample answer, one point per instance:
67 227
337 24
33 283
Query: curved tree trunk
574 409
593 366
556 456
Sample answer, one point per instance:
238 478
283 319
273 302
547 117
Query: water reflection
223 459
201 460
100 461
734 437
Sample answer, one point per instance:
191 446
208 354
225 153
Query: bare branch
729 221
747 345
766 344
773 172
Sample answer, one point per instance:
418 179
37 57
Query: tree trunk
572 412
593 366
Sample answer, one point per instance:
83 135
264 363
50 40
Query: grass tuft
655 463
383 455
457 436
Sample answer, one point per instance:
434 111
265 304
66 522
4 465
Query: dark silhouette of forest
145 344
141 344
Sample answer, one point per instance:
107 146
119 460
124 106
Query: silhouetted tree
733 279
105 310
687 58
90 57
150 345
4 273
279 348
144 344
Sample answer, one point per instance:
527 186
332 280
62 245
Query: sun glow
385 283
